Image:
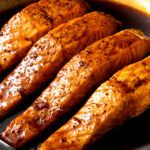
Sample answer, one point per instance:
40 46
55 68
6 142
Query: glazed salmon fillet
27 26
50 53
126 94
84 71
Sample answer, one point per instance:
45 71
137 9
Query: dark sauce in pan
131 18
135 133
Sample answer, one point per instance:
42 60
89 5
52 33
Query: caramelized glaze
27 26
84 71
50 53
126 94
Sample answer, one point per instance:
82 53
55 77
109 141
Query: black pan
135 133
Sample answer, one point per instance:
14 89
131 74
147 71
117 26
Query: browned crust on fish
27 26
125 94
50 53
86 70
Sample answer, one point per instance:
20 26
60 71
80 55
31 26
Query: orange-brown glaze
84 71
27 26
125 94
50 53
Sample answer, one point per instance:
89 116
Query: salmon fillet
83 72
125 94
27 26
50 53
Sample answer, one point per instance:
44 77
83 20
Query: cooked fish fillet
125 95
27 26
50 53
87 69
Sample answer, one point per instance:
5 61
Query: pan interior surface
130 18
